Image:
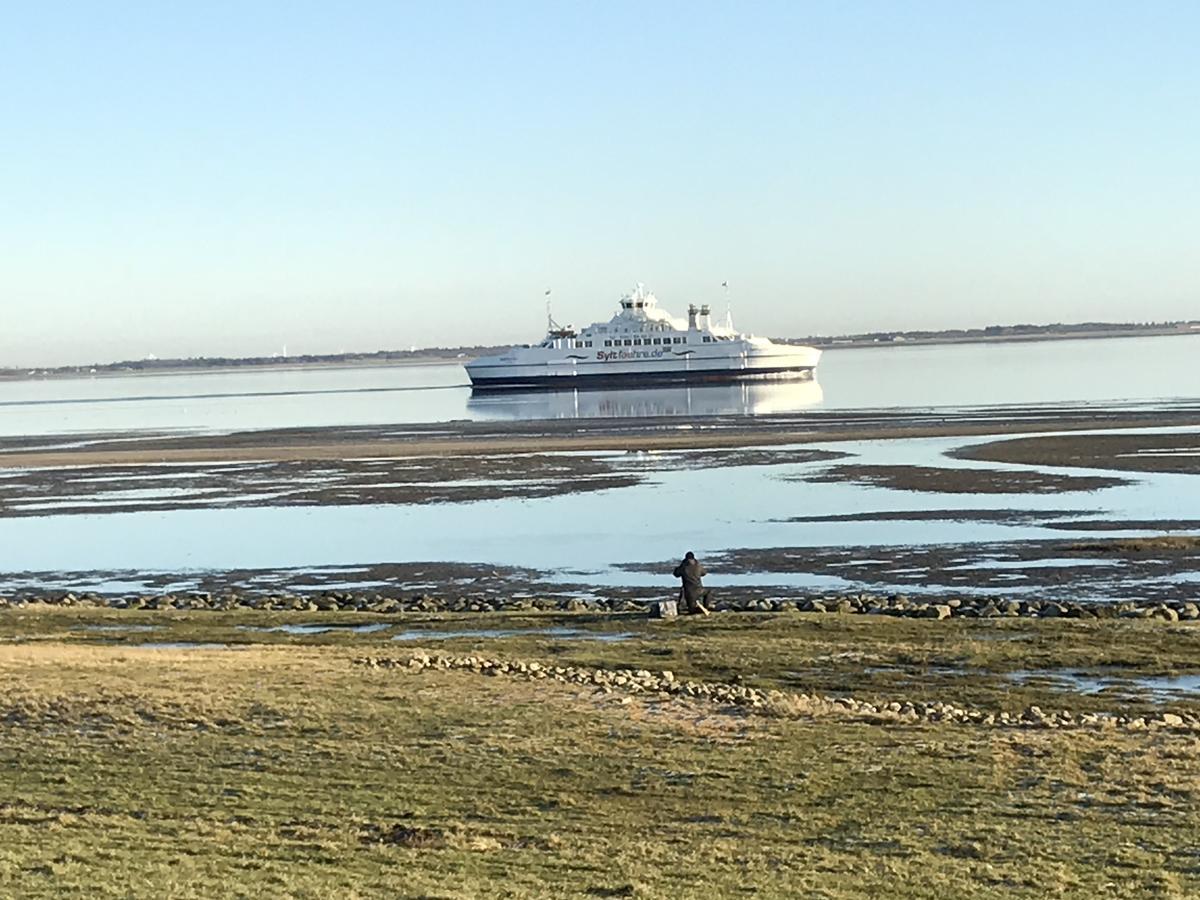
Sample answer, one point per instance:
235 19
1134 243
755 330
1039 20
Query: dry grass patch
289 772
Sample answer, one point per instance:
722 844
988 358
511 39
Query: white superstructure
643 344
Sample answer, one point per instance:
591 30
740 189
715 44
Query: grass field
279 768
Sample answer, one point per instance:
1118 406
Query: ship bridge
641 306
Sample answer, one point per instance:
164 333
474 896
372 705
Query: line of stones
664 685
864 604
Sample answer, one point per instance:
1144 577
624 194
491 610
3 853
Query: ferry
643 345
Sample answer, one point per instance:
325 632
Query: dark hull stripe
604 379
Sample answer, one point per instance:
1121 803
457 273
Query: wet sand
486 438
941 480
1120 452
459 478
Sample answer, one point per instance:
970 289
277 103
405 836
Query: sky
233 178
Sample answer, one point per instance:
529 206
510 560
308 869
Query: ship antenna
728 306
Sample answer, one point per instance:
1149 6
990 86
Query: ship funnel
692 317
704 316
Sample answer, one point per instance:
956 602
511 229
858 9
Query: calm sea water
1139 369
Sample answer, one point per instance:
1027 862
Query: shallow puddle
1159 687
1052 563
1163 687
318 628
570 634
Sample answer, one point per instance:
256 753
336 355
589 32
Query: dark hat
689 555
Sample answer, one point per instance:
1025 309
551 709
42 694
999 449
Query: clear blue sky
185 179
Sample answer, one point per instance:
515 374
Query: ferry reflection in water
745 398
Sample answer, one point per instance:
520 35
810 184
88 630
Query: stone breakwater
850 604
663 685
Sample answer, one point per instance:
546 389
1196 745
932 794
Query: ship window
637 342
587 343
628 342
608 343
679 340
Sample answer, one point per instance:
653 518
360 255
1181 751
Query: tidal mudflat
838 502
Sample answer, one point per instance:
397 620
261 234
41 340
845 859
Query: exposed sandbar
478 438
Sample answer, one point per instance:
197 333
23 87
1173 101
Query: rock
936 611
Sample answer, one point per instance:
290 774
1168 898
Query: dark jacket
691 572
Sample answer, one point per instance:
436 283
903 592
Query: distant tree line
998 331
155 364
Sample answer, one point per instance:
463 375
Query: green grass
286 771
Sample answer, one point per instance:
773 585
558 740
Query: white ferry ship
643 344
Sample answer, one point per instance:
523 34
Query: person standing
692 591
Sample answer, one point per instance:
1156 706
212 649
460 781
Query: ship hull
509 380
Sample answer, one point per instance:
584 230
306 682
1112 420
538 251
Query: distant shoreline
143 368
1019 338
117 370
